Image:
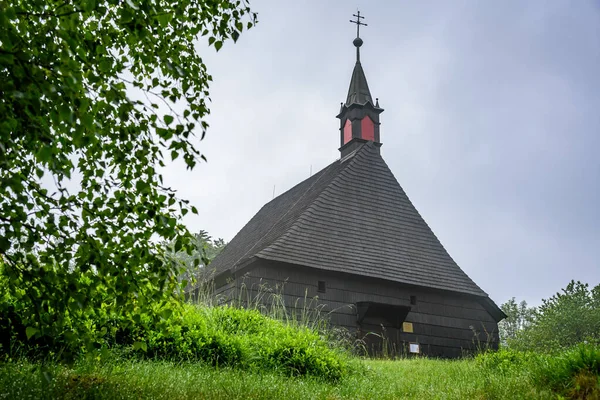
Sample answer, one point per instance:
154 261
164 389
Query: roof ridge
347 164
283 215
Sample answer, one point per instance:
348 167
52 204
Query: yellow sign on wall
407 327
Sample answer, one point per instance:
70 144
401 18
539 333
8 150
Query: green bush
219 336
570 317
300 351
194 336
574 373
229 336
506 361
239 321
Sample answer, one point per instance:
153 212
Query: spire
359 115
359 89
358 92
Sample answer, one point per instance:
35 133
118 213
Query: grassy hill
228 353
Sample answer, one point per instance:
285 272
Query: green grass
130 379
223 352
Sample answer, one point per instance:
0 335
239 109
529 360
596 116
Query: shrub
239 321
300 351
192 336
574 373
228 336
569 317
507 361
220 336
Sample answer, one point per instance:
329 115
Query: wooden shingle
353 217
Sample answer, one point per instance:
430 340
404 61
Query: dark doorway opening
380 326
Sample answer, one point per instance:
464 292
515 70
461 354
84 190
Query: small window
413 300
322 288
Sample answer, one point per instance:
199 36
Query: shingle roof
351 217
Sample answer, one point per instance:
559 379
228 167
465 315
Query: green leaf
7 58
140 345
105 65
88 5
4 244
131 4
142 186
30 331
10 12
164 19
87 121
44 154
66 115
218 45
166 313
168 119
48 376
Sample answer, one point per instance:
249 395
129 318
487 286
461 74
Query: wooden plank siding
445 324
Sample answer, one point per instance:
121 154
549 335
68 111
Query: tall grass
311 312
268 299
573 373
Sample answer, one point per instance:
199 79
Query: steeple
359 115
358 92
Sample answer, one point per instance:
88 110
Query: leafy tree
569 317
518 317
88 91
205 249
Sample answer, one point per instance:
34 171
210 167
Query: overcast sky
491 125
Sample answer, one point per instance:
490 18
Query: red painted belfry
359 115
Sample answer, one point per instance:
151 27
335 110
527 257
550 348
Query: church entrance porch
380 328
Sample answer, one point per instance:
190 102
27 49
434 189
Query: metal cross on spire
358 41
358 23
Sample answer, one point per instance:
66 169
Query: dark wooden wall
445 324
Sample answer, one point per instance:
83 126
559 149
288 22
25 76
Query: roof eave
493 309
345 107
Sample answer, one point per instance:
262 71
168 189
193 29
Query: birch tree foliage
67 71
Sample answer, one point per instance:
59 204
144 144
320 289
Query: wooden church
350 236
